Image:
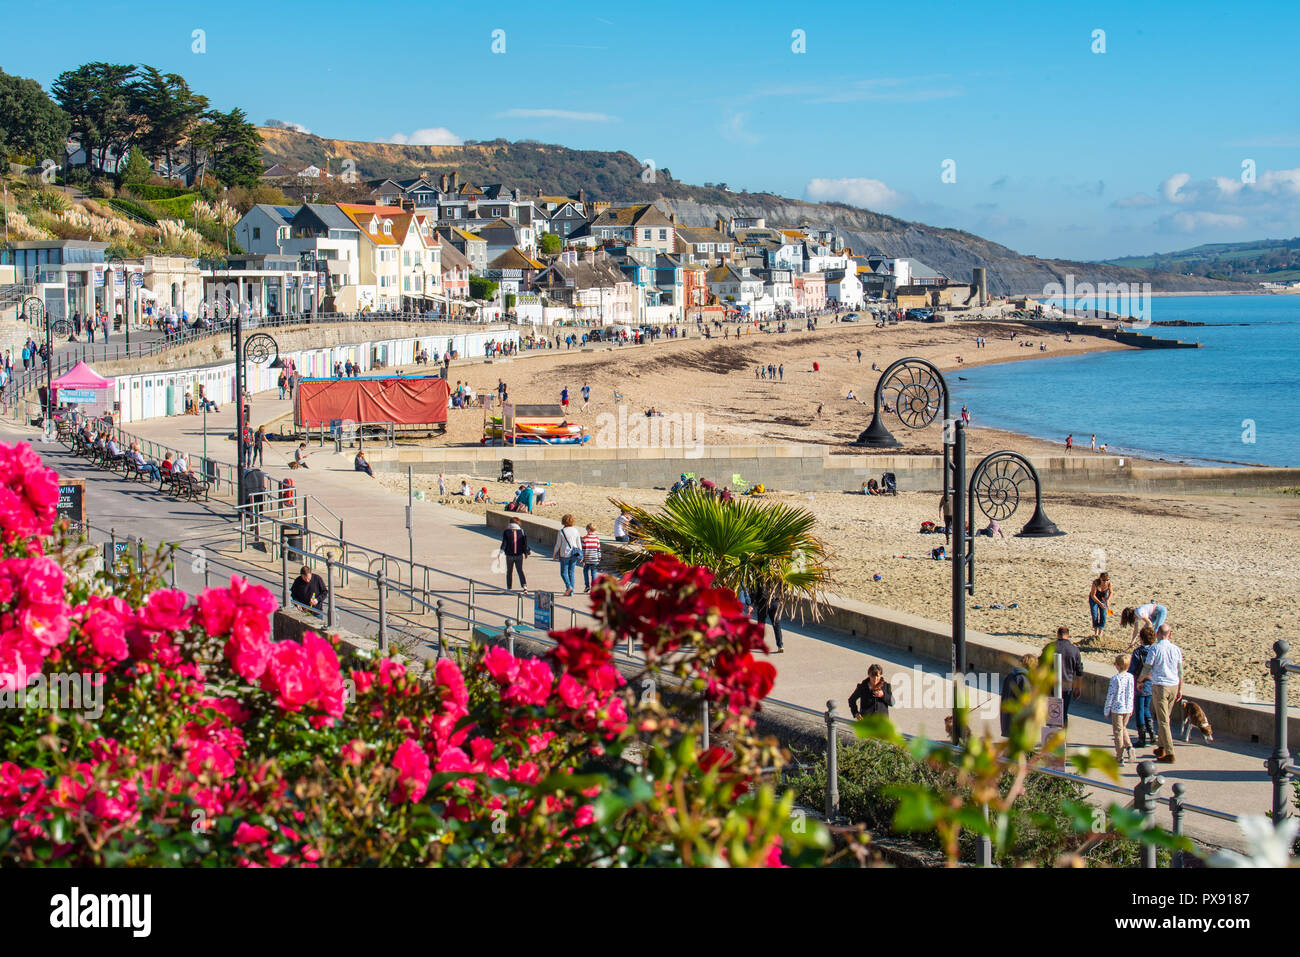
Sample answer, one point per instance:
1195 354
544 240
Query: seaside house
264 228
844 288
470 245
588 288
703 245
325 232
737 287
454 272
380 287
502 235
640 225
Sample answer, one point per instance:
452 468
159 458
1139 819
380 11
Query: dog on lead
1194 717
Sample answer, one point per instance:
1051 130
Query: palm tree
748 544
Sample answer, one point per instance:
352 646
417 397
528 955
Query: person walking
859 357
586 397
1119 708
1145 717
1164 667
1099 603
590 557
281 382
1014 688
767 608
514 546
259 445
872 696
1071 669
568 551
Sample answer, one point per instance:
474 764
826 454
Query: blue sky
1055 150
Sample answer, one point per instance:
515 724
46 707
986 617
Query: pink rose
166 611
413 774
251 834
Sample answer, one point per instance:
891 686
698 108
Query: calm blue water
1181 404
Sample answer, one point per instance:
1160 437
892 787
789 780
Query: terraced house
641 225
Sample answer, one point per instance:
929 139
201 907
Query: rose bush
217 745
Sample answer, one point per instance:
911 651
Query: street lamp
920 394
35 313
114 264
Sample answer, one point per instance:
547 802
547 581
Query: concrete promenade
819 663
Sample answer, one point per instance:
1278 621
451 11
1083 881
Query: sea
1234 401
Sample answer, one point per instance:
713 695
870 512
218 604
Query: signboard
99 276
79 396
116 553
1055 722
543 602
137 279
72 502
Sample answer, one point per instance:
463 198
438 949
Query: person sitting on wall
359 464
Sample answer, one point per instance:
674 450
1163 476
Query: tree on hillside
172 111
137 169
235 148
97 100
31 124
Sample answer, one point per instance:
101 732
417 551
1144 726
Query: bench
188 487
134 473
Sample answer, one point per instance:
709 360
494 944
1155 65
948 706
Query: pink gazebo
82 385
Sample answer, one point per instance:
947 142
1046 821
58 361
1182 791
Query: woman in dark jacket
873 696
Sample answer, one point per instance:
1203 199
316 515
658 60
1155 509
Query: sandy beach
714 381
1215 562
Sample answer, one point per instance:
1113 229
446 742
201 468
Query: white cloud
1190 222
733 128
856 191
1280 181
287 125
1170 187
430 136
570 115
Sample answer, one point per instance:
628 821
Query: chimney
582 195
424 175
442 182
539 192
455 179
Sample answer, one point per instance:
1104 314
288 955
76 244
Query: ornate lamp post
259 349
114 264
35 313
920 393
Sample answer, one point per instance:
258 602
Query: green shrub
178 207
1041 819
134 208
150 191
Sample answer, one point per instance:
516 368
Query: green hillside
1276 260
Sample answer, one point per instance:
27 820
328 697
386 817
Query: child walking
1119 708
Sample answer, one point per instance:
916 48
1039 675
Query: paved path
818 665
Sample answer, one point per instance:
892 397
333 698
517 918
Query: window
645 234
663 234
257 232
